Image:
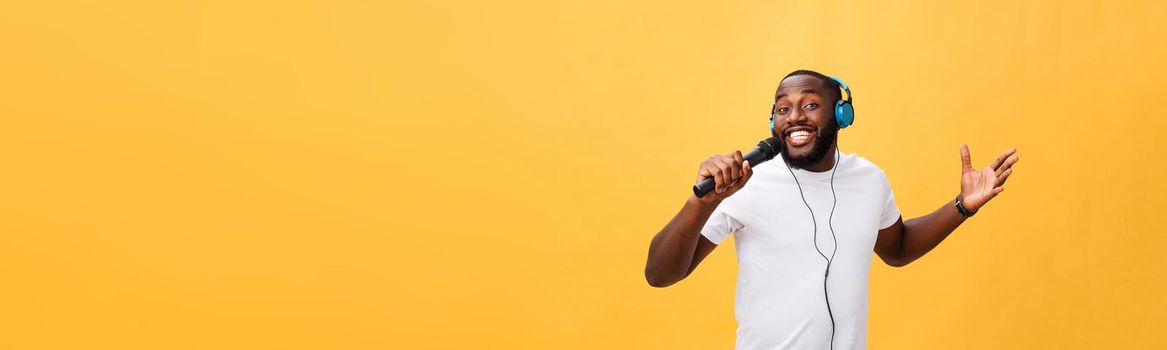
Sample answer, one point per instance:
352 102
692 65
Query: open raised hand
977 187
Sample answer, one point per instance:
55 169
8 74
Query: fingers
748 172
1001 158
721 175
1002 177
737 165
965 159
711 169
733 165
703 173
991 193
1007 164
729 171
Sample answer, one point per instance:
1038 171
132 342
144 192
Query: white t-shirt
779 302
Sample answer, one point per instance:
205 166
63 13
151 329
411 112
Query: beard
822 144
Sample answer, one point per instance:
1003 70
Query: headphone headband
845 87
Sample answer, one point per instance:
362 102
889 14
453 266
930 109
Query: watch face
960 208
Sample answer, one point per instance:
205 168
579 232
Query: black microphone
766 150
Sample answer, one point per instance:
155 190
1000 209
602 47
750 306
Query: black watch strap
960 208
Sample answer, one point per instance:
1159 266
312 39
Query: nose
797 116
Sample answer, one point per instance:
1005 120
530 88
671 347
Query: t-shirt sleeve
725 220
890 212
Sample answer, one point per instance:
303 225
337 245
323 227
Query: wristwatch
960 208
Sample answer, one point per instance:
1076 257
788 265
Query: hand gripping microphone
766 150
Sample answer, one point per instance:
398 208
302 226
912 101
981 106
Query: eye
812 105
783 110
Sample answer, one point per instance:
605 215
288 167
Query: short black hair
833 86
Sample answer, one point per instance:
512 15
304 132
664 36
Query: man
805 227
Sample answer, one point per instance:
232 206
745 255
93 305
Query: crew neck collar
807 174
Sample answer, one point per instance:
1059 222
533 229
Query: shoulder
857 162
853 165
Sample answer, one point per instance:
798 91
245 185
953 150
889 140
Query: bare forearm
926 232
677 249
904 242
672 250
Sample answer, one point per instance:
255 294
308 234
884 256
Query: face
804 118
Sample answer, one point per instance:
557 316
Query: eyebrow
805 91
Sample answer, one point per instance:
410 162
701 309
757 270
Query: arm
676 250
904 242
678 247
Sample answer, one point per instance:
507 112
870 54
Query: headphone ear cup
772 111
844 114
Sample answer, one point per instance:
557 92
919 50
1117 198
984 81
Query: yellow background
425 174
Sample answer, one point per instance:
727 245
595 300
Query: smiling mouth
799 137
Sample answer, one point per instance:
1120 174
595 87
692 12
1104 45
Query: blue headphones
844 111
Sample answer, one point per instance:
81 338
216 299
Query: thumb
965 158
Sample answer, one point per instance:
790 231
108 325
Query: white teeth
799 134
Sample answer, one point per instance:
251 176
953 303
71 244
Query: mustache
787 128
